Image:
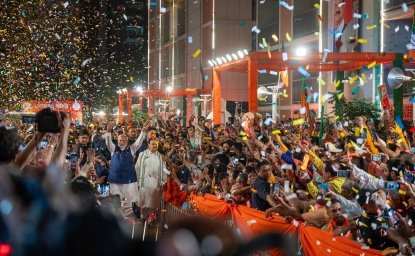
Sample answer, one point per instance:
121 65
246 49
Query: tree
349 110
139 116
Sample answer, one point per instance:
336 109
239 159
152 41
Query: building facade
187 36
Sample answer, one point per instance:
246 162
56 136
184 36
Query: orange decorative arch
313 62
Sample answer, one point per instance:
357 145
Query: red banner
70 106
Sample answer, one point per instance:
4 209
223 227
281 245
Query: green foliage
140 117
349 110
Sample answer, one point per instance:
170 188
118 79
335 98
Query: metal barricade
171 214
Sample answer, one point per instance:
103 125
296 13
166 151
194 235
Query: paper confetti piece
397 29
353 79
86 62
262 1
355 90
264 42
362 41
356 26
406 27
295 223
250 222
340 95
65 4
286 5
357 15
284 56
317 5
288 37
255 29
363 76
321 82
371 65
285 94
327 96
163 9
298 121
77 80
404 7
337 83
125 16
303 72
261 46
275 38
276 132
153 3
399 122
190 39
303 110
196 53
384 24
371 27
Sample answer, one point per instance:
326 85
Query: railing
171 214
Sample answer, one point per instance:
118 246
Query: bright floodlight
169 89
228 57
139 89
234 56
211 63
301 52
219 60
240 54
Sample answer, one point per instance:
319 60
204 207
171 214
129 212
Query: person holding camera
83 146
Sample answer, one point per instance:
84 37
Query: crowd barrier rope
252 222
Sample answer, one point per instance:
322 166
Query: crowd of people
354 181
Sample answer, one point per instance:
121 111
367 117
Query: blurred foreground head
198 236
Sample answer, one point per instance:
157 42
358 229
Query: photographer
83 146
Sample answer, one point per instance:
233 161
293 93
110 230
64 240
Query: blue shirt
259 196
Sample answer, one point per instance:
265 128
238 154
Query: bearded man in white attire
151 176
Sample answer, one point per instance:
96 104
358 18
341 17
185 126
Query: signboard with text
70 106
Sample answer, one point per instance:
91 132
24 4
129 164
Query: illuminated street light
240 54
139 89
301 52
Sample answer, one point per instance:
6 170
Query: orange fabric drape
210 205
318 242
173 194
252 222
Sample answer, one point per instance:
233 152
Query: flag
348 11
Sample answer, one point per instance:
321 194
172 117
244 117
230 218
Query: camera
48 121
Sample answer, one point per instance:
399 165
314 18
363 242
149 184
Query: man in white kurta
151 176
